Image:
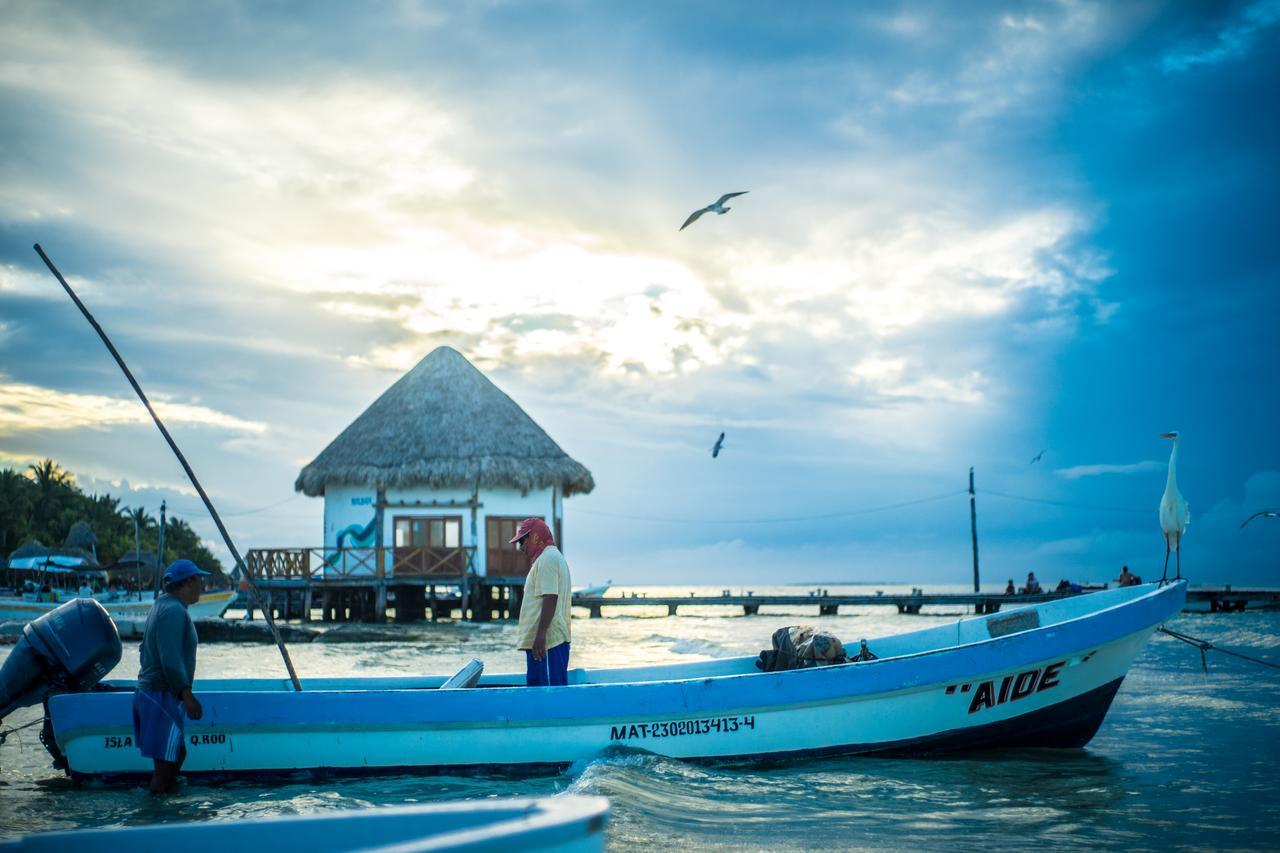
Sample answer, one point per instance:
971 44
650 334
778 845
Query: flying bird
1266 513
715 207
1175 514
1037 457
715 451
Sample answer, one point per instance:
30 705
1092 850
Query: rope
5 734
1206 646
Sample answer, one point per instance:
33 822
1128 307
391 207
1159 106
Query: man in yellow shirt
544 611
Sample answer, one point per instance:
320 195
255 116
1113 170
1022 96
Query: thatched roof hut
82 536
444 425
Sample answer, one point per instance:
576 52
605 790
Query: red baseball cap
529 525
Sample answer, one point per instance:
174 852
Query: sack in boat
800 647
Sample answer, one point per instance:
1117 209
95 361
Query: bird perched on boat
1175 513
719 445
716 206
1036 458
1266 513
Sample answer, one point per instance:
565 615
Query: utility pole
137 558
973 527
160 549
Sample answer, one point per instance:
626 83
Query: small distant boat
33 587
566 823
593 591
124 606
1042 675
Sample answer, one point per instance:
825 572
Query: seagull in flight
1266 513
716 206
1037 457
715 451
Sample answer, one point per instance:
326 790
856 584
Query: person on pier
163 700
1032 586
1127 578
543 631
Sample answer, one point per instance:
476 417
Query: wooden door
502 560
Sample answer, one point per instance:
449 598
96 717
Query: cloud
346 196
1232 42
30 408
1078 471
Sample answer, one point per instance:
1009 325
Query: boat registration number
126 741
681 728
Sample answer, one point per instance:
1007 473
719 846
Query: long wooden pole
182 460
973 528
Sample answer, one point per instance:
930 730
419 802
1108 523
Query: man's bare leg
166 774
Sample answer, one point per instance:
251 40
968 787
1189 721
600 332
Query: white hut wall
350 513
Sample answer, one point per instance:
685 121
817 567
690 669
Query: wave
693 646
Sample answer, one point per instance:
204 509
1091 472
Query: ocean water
1184 759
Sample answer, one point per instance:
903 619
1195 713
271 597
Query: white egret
1175 513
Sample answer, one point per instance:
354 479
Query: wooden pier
1222 599
828 605
356 600
362 584
416 584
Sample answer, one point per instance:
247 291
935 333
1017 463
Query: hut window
428 545
429 532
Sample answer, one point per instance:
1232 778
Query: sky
973 232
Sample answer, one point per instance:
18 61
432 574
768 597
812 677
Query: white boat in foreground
1037 676
568 823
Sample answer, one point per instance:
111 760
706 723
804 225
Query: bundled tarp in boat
800 647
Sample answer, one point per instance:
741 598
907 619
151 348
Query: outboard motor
67 650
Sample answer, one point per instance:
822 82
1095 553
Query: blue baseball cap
180 570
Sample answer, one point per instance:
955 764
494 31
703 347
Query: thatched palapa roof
444 425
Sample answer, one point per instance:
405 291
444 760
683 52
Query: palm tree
49 475
16 503
55 490
138 515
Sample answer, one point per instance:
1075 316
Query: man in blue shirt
163 700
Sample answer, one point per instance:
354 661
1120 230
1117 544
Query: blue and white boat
1037 676
574 824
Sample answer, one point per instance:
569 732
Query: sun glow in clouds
31 408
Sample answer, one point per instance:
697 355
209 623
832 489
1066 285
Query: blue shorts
551 671
158 719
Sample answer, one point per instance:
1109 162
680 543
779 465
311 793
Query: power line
190 511
1066 504
1070 505
774 519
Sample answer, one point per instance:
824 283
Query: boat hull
210 606
1049 687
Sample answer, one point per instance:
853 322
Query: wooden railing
444 564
